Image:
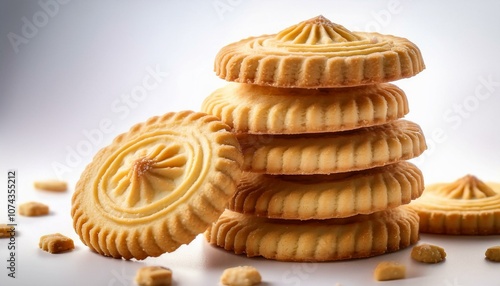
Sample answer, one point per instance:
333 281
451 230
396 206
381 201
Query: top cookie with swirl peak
318 53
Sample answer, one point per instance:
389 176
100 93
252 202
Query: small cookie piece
389 270
428 253
467 206
315 240
328 196
153 276
6 231
317 54
326 153
51 185
33 209
241 276
56 243
493 254
157 186
257 109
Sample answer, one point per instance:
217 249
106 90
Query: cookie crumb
51 185
6 231
241 276
33 209
428 253
493 253
56 243
154 276
389 270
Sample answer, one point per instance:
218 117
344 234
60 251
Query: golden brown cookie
326 153
267 110
315 240
157 186
328 196
316 54
467 206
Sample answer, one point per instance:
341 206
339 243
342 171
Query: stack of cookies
325 147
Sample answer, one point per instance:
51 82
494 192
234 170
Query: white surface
78 68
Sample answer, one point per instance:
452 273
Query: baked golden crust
157 186
327 153
328 196
267 110
467 206
316 54
315 240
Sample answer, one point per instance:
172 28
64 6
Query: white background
66 86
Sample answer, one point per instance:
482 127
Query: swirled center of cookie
468 194
146 175
321 37
317 31
151 174
466 188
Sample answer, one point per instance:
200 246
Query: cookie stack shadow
326 148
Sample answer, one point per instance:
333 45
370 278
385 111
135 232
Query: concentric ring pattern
149 173
157 186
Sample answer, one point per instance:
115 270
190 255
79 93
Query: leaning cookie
328 196
326 153
316 54
315 240
268 110
157 186
467 206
